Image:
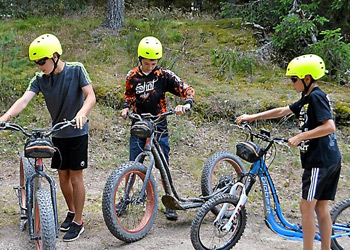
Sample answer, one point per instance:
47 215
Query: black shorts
321 183
71 154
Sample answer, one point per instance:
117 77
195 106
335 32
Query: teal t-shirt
63 95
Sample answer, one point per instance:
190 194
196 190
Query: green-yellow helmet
150 48
44 46
306 65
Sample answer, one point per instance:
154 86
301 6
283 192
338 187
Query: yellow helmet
150 48
44 46
306 65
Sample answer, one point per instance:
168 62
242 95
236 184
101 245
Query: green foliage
27 8
293 34
10 65
215 56
265 13
151 26
230 63
295 28
335 52
342 111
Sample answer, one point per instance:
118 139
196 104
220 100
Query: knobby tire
129 219
340 214
44 223
221 168
207 236
25 172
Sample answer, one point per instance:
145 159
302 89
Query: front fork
244 189
22 206
147 177
30 197
242 200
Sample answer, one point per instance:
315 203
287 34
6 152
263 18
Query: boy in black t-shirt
320 156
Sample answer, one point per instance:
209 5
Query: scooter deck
172 203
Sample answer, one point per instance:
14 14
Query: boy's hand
245 118
124 113
181 109
295 141
80 120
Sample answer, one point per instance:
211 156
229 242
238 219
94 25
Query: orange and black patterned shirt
146 93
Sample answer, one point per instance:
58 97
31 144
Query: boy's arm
18 106
88 104
269 114
178 87
129 98
327 127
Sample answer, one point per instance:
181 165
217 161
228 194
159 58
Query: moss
108 97
189 49
342 113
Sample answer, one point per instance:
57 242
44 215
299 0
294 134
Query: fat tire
47 222
219 200
341 209
235 169
110 216
25 172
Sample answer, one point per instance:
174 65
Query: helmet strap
306 88
55 63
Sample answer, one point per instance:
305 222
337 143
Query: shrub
335 53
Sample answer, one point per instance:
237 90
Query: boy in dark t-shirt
68 94
319 153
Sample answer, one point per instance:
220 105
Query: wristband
9 114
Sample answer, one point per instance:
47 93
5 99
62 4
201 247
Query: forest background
234 54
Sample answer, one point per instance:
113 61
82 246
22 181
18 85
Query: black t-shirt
312 110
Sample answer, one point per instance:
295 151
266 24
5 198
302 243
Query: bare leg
76 177
308 222
67 188
325 223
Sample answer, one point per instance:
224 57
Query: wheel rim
135 216
212 236
342 219
224 168
37 230
22 183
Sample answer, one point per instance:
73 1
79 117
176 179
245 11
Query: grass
190 47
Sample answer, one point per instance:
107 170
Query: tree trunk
115 14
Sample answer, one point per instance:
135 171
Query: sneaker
171 214
74 231
66 223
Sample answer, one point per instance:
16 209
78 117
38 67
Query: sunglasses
41 62
294 79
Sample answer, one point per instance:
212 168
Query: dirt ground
164 234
